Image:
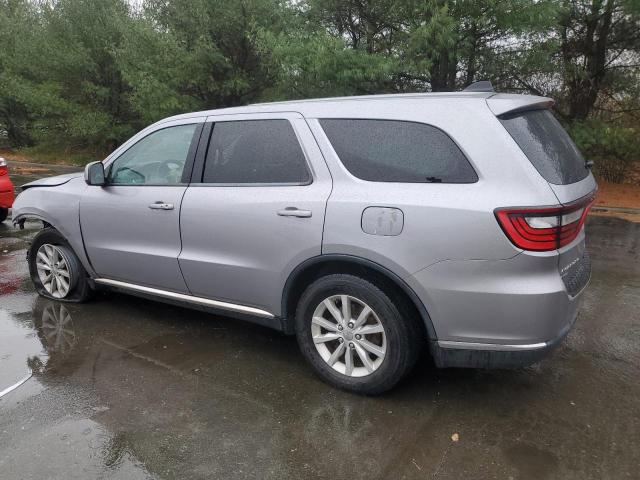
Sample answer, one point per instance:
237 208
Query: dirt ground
622 195
11 155
621 200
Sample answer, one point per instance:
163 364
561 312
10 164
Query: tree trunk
471 61
584 83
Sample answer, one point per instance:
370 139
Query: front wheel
354 336
55 269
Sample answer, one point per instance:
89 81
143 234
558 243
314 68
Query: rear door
131 226
257 211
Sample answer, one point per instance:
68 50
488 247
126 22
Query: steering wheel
129 173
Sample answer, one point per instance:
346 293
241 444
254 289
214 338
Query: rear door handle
161 206
294 212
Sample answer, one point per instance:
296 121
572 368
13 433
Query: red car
6 190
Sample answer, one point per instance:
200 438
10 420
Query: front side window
157 159
397 151
255 151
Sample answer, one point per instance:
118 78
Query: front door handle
161 206
294 212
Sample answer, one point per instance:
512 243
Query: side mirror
94 174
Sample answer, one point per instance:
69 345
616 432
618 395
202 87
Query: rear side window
397 151
547 146
255 151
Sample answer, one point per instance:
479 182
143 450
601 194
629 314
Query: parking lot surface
127 388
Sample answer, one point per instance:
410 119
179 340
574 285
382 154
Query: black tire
79 288
4 213
403 338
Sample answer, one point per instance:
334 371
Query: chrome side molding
184 298
490 346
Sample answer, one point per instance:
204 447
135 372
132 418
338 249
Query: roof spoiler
503 103
480 86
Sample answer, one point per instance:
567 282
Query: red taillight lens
544 228
3 167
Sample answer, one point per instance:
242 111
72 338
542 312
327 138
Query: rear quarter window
547 145
397 151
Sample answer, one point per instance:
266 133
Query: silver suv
366 226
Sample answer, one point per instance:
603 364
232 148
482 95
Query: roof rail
480 86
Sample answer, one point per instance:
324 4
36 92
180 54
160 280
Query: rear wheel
4 213
55 269
354 336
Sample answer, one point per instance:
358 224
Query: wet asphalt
124 388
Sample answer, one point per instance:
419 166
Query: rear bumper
500 313
478 355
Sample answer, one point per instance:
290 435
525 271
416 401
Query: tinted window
157 159
255 151
396 151
547 145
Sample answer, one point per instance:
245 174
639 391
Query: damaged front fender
57 206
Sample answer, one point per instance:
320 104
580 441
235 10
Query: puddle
20 352
36 337
20 382
20 348
102 455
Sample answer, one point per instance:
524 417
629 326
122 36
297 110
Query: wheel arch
23 217
77 245
327 264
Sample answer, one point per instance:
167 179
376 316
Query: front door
131 226
258 211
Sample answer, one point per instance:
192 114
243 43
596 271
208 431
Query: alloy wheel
53 270
349 335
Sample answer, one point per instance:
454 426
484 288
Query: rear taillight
3 167
544 228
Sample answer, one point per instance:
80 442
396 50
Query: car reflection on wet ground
128 388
